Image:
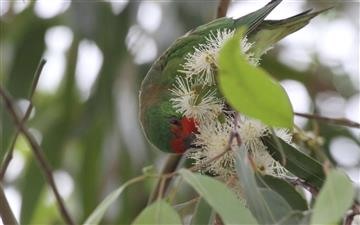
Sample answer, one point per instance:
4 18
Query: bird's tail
271 31
254 19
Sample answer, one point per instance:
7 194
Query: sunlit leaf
250 90
334 199
159 212
223 200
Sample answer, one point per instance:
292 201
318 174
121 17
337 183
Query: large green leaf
297 162
224 201
250 90
96 216
159 212
334 199
286 190
260 201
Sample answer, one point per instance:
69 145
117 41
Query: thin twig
170 166
199 166
39 155
222 8
9 153
161 190
355 210
337 121
6 213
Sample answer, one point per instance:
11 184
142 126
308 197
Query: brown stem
355 211
297 181
222 8
6 213
338 121
9 153
218 220
39 155
170 166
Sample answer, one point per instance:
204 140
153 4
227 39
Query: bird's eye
174 121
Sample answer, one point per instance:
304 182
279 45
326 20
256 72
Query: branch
222 8
9 154
39 155
338 121
6 214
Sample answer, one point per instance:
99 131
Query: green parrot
163 126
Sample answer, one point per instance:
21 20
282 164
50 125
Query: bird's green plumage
155 107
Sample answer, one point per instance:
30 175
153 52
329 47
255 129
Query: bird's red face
183 131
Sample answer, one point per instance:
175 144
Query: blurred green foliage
86 138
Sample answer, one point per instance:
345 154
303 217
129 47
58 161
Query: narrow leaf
202 214
286 190
295 217
251 90
297 162
271 198
96 216
334 199
159 212
260 201
224 201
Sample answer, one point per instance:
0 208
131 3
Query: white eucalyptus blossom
203 62
216 40
284 134
268 165
213 138
194 100
250 132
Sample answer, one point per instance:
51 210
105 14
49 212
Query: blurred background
86 102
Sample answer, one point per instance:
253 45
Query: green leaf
297 162
286 190
202 213
159 212
224 201
334 199
96 216
260 201
296 217
187 209
271 198
250 90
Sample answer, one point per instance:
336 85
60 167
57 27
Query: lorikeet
166 128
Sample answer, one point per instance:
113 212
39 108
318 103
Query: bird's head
183 132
